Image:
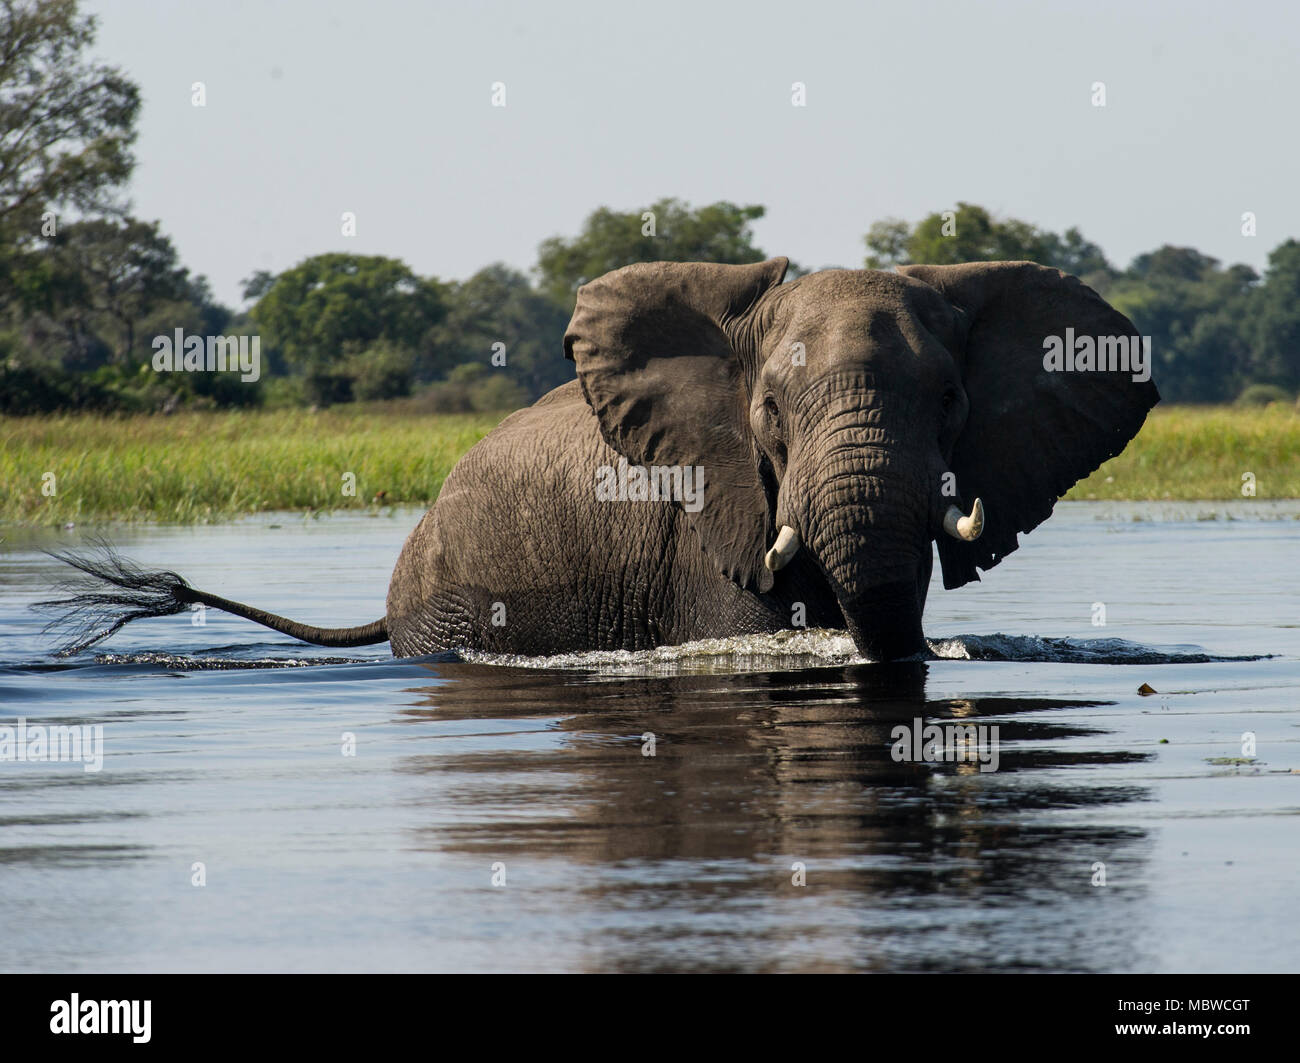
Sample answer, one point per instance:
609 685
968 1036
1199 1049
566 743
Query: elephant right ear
669 389
1033 431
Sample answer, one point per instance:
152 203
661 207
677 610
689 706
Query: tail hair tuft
91 610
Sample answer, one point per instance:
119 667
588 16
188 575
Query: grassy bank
1189 453
209 466
196 467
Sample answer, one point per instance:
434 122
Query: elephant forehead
846 312
880 287
856 339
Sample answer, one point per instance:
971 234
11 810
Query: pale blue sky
384 109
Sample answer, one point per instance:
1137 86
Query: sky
385 110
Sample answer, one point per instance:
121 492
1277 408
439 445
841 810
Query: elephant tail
94 612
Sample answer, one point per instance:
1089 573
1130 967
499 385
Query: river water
737 806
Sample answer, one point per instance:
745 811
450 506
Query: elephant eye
949 397
773 414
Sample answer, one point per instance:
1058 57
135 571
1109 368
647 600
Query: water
224 746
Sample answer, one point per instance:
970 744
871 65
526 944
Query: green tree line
85 287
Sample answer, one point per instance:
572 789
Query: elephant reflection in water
754 773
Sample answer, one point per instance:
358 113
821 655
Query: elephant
739 454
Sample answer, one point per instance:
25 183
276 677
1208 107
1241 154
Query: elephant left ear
652 343
1035 428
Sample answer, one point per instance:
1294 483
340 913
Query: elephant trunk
869 534
885 621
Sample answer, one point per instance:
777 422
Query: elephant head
848 412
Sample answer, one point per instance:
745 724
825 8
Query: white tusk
963 527
785 547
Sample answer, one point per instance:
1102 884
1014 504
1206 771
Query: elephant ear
668 388
1031 433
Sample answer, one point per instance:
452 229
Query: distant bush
324 388
47 389
283 392
444 398
381 371
472 388
1262 395
497 393
29 389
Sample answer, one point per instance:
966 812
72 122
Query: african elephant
742 455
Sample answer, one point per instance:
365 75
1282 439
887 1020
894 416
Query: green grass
197 467
1191 453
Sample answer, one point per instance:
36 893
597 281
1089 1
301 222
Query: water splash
1002 647
823 648
736 653
181 663
780 651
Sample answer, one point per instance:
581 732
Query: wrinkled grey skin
901 378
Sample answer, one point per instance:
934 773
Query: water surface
224 745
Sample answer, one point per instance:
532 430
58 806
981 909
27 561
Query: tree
971 234
1073 254
66 126
1276 320
666 231
1195 314
257 284
887 244
329 300
498 306
123 270
83 300
331 308
1170 263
